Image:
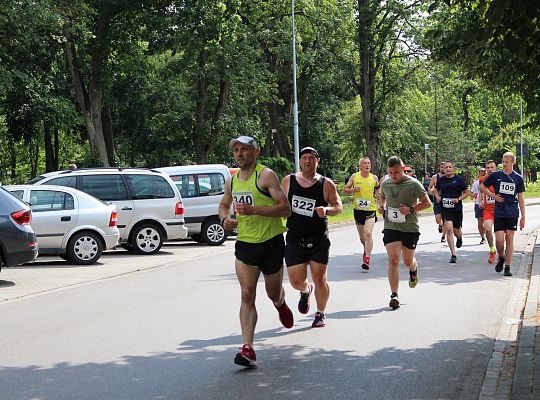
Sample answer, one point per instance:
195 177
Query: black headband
309 150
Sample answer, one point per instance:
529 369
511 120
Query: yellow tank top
255 228
364 199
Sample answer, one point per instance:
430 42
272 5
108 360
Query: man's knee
248 296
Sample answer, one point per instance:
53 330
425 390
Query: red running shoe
491 258
246 357
285 315
366 260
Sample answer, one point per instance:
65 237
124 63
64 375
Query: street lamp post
295 105
426 147
521 137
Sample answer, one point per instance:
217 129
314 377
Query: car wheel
213 233
147 239
197 237
84 248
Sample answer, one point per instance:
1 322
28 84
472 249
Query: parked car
202 187
69 223
149 206
18 243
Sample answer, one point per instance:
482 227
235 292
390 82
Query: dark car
17 239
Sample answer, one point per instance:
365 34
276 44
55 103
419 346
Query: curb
526 384
501 371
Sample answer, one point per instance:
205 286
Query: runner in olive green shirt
401 198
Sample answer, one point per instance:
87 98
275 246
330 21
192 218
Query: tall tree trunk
108 133
56 147
201 149
89 100
13 161
304 105
465 103
49 150
367 84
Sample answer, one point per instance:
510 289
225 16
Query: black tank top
303 225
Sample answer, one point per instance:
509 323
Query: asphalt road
166 326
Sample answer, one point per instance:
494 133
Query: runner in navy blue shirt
509 204
450 190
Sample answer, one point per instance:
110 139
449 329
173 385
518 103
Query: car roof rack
69 171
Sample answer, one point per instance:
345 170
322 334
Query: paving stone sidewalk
526 383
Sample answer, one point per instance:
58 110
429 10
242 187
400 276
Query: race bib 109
507 188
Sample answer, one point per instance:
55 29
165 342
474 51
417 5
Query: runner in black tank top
312 198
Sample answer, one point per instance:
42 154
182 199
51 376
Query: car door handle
126 208
65 219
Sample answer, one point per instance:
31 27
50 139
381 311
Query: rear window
107 187
149 187
69 181
186 185
50 200
18 194
200 184
211 184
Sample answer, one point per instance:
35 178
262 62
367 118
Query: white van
202 187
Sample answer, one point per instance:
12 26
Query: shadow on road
198 371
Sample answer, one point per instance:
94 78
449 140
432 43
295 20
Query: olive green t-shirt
406 192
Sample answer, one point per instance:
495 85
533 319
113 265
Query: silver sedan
69 223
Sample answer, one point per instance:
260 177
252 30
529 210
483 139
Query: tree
382 36
490 40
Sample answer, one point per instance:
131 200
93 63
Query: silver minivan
202 187
150 208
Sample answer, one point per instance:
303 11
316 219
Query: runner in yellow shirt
363 185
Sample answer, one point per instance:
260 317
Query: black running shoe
453 260
443 239
499 266
483 241
440 228
394 302
507 271
459 242
303 303
413 278
320 320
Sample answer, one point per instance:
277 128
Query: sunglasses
408 171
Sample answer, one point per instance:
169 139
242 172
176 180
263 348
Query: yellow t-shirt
364 199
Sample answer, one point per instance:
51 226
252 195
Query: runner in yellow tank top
363 185
260 203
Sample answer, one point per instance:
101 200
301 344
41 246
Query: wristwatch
411 209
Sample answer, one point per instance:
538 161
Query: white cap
247 140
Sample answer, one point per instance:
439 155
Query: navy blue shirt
451 188
508 186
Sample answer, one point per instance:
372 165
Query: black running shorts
407 239
451 214
304 250
505 224
267 256
360 216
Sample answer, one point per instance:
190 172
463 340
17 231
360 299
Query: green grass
532 190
